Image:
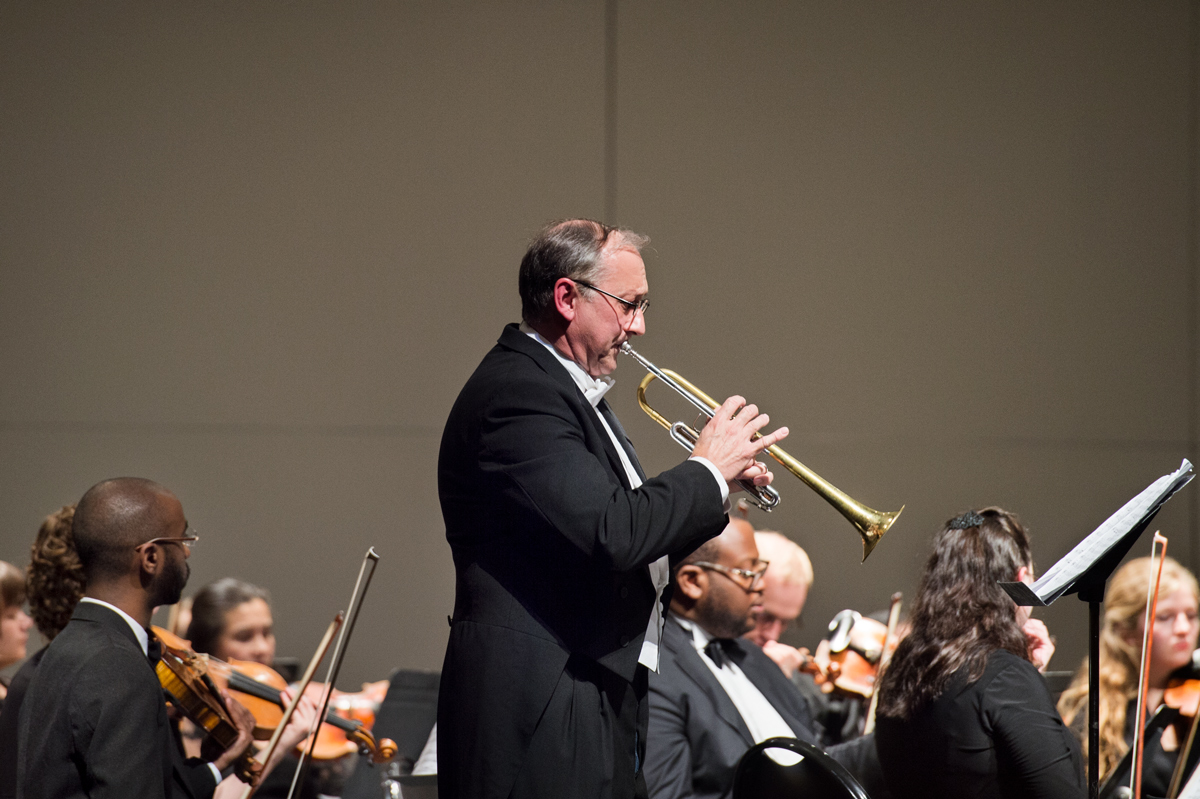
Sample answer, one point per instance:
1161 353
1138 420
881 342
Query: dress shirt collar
138 630
697 634
593 388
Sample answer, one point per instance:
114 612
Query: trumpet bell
870 523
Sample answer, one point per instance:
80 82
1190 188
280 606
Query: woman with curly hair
53 586
1176 629
962 709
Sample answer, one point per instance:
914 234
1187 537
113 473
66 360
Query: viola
848 661
259 687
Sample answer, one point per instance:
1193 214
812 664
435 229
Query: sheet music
1060 577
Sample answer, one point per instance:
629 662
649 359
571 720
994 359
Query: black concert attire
93 722
998 737
697 732
543 690
1158 765
8 724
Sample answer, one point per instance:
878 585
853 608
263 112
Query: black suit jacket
550 550
93 721
697 736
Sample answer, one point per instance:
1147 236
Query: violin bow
885 657
1159 546
371 559
318 656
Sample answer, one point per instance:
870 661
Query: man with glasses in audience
716 694
561 543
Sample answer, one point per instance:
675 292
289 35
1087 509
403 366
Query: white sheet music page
1062 575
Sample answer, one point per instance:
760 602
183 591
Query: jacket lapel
515 340
688 659
775 687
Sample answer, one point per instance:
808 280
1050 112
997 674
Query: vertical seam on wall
1193 257
610 112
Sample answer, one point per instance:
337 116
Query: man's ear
150 561
690 581
1024 575
566 297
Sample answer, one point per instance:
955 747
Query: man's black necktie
724 650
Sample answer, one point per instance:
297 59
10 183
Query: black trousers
594 717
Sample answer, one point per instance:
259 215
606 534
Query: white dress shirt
594 389
143 639
761 717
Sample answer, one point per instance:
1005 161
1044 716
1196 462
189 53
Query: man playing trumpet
561 544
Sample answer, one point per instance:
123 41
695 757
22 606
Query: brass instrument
871 524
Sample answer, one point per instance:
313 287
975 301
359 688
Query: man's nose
637 326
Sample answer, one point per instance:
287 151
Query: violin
848 661
184 676
258 687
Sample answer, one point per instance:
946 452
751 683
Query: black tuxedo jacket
93 721
697 736
550 550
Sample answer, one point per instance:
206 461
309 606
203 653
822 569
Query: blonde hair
790 564
1124 604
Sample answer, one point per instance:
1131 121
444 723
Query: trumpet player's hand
728 442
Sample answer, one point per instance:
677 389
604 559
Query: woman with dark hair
963 710
232 619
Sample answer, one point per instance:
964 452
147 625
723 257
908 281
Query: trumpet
870 524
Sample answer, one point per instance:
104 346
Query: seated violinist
93 721
1175 632
715 694
231 620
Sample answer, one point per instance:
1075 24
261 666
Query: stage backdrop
253 250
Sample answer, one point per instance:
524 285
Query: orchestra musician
231 619
14 623
962 709
560 542
716 693
1175 635
93 721
54 584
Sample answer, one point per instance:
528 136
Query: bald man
785 588
94 723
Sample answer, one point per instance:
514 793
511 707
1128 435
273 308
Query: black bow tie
723 650
154 650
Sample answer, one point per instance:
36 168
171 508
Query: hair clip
966 521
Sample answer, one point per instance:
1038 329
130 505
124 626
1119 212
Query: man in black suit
560 542
716 694
93 722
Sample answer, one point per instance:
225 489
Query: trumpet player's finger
755 470
729 409
771 439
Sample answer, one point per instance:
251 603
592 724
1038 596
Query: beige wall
253 251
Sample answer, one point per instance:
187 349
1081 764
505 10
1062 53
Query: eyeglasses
746 579
185 541
631 308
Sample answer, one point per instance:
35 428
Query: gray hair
571 248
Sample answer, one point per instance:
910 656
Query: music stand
1085 571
